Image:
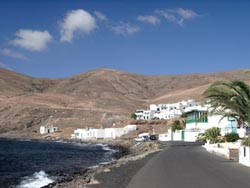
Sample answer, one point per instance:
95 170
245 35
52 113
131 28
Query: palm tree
230 99
178 125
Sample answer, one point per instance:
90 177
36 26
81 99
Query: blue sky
61 38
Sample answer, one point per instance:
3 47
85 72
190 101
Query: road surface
187 165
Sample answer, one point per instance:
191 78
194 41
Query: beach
131 157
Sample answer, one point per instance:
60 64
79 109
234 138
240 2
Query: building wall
190 136
177 135
109 133
81 133
48 129
244 155
196 120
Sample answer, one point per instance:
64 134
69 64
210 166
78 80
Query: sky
62 38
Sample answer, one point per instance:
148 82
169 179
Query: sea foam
37 180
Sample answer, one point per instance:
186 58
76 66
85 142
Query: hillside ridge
97 98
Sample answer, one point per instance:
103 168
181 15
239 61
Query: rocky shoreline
129 156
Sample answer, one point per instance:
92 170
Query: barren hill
96 98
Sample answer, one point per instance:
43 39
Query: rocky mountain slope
97 98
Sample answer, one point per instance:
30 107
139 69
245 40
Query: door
182 135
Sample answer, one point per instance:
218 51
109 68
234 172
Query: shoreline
130 156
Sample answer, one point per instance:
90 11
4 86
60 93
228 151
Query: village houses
165 111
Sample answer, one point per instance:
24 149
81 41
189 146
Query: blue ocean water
36 163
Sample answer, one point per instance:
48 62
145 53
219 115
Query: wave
106 147
37 180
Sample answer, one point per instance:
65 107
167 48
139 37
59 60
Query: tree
212 134
133 116
178 125
230 99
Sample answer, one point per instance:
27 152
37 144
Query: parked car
140 139
153 137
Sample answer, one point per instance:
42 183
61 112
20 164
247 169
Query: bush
133 116
246 142
232 137
201 137
212 134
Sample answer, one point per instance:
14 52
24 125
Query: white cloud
154 20
100 16
125 29
79 21
13 54
31 39
167 15
186 14
178 15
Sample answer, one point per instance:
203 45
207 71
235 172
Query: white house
89 133
139 114
198 119
165 111
48 129
103 133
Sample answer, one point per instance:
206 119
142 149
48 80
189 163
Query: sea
33 164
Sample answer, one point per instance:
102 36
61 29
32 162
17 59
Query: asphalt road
186 165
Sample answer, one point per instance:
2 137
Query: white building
165 111
103 133
198 119
144 114
48 129
89 133
139 114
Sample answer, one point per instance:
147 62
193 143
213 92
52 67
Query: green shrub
201 137
232 137
133 116
212 134
246 142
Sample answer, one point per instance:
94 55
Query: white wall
244 155
96 133
177 135
241 132
213 148
103 133
153 107
190 136
81 133
48 129
130 127
43 130
201 126
109 133
165 137
115 132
